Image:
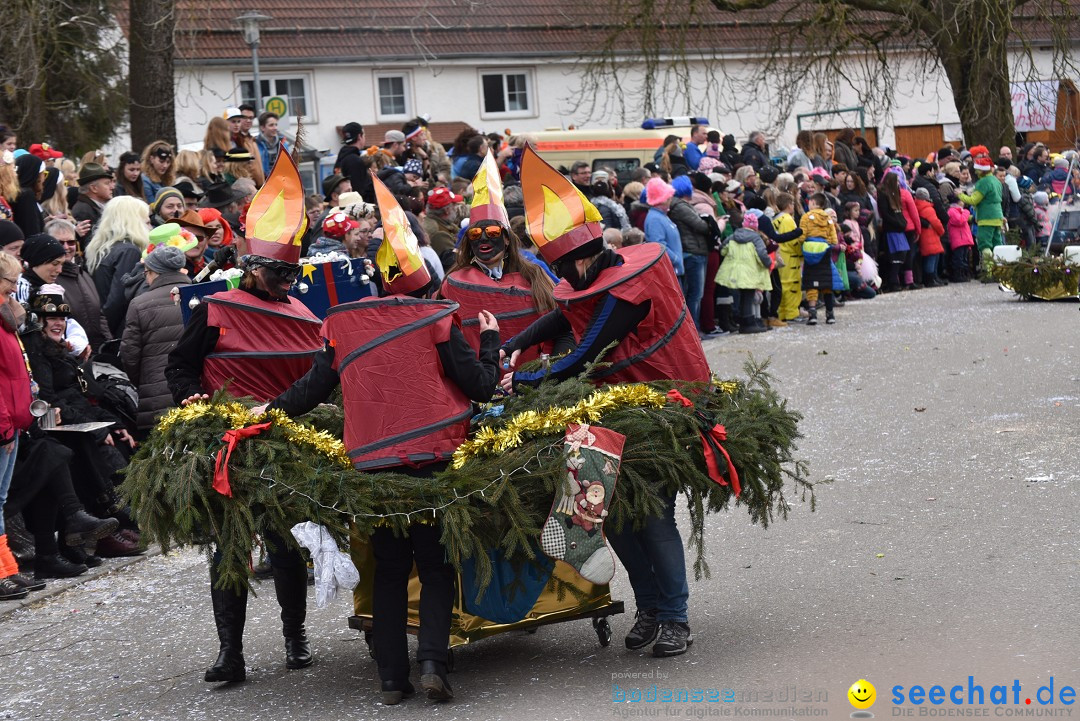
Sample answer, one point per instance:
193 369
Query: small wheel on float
603 630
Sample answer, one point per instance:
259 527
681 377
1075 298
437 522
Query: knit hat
442 197
922 194
769 173
707 164
600 175
682 186
981 156
41 249
10 233
165 259
1024 182
750 221
415 166
338 224
1061 163
1040 198
162 195
657 191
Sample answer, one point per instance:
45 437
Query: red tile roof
315 31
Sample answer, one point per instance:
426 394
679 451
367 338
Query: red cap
442 197
44 151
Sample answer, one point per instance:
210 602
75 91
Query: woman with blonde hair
9 188
211 167
822 153
157 168
188 165
115 249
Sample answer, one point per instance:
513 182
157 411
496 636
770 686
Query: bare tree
152 85
61 71
818 48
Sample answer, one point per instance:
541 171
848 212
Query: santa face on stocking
589 506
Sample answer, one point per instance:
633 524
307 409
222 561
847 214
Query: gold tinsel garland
239 416
489 441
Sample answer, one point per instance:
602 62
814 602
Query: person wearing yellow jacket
791 256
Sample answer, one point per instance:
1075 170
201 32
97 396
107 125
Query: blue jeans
653 559
693 284
7 469
929 267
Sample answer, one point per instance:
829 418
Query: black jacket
86 209
940 209
754 156
355 166
620 319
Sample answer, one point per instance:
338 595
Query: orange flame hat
487 202
560 219
276 220
399 260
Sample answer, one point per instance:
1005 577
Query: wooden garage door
917 141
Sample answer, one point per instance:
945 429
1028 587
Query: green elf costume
985 198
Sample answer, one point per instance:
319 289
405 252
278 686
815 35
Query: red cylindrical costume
509 299
666 344
263 346
418 416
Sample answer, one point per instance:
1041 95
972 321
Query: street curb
56 586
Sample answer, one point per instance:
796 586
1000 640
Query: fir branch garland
1038 276
498 497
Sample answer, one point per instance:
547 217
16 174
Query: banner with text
1034 105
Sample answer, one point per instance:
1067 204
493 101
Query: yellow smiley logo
862 694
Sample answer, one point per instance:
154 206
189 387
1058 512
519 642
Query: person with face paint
271 341
632 299
404 420
490 272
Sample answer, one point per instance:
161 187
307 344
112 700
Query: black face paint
279 279
487 249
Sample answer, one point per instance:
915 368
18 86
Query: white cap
232 113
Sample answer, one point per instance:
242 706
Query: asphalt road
945 548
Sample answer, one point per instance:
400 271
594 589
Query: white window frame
530 93
311 115
406 77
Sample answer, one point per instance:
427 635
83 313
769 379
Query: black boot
82 529
747 325
433 681
230 613
54 566
290 584
812 310
723 317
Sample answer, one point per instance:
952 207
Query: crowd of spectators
93 252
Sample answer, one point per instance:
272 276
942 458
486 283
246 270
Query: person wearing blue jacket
269 142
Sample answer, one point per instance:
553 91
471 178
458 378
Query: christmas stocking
574 530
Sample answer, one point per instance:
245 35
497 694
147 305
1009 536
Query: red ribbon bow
717 433
231 438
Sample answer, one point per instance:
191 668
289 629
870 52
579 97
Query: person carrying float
255 340
631 299
490 272
408 379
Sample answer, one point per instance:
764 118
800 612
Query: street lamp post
249 27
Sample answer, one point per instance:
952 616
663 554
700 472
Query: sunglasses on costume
54 308
491 232
163 155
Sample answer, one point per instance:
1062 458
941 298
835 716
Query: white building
494 65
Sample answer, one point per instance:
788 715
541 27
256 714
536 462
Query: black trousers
394 558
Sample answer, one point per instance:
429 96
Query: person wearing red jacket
403 421
255 340
632 300
930 231
15 400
